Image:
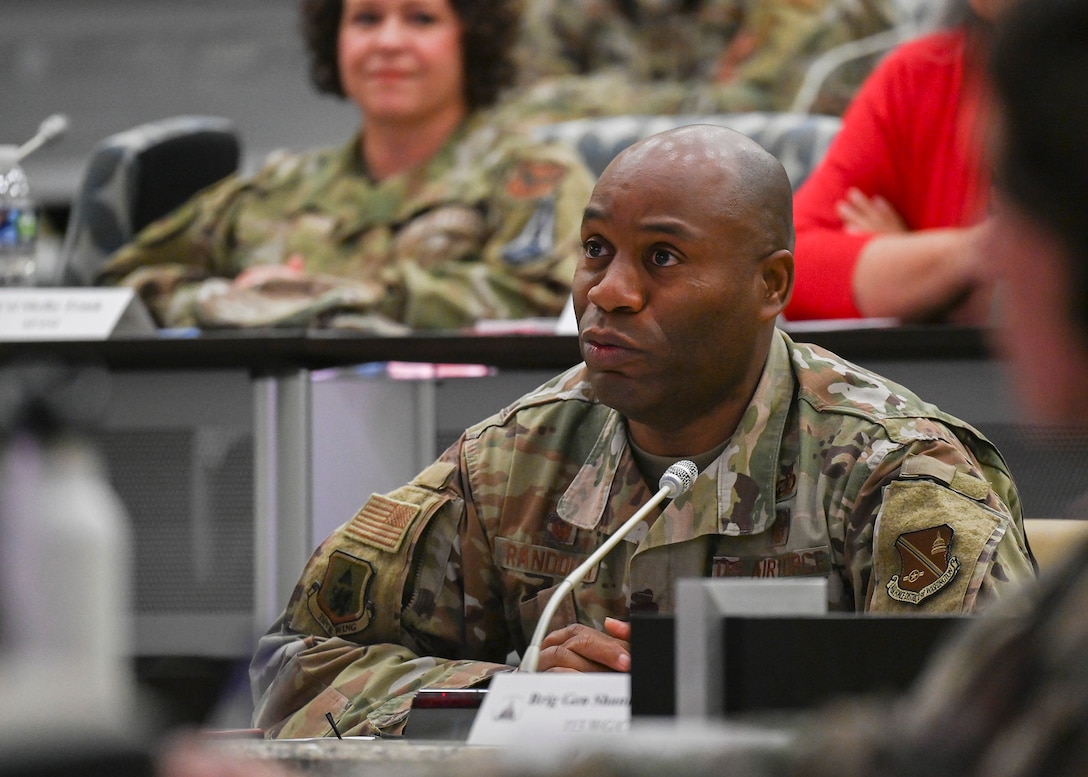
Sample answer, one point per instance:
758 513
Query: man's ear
777 274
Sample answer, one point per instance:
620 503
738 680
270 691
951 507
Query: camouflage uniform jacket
832 472
604 57
488 228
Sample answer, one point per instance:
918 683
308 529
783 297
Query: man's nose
619 287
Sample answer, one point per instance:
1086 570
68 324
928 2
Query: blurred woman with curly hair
430 217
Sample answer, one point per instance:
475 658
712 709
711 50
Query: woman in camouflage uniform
612 57
428 217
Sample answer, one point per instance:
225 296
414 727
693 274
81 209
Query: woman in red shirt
887 225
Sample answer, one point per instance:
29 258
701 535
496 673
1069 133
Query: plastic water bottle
65 566
18 221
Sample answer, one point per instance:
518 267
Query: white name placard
567 323
71 314
550 706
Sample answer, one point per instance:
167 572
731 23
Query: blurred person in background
429 217
583 58
888 223
1010 696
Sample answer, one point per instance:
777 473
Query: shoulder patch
382 522
537 237
535 178
926 564
341 601
927 542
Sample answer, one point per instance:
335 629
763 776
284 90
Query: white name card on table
522 707
71 314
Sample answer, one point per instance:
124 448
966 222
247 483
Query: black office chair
136 176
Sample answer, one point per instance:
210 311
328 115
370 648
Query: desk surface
273 350
689 748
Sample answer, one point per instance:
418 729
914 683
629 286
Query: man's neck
653 467
681 439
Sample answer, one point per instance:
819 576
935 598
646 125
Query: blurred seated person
1009 697
610 57
427 218
888 221
809 467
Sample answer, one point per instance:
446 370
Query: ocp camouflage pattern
807 485
488 228
582 58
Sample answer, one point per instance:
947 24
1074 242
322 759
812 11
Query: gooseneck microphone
676 480
49 130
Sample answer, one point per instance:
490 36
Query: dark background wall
112 64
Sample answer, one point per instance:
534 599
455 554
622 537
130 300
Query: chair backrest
799 141
136 176
1052 540
912 19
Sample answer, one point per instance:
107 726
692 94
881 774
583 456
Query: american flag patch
382 523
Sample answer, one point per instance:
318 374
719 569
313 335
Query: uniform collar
344 186
734 496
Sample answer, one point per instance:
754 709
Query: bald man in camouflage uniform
486 229
582 58
810 466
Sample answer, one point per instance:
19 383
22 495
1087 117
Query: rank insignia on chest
559 531
786 484
926 564
341 602
642 602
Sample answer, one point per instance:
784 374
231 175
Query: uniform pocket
530 611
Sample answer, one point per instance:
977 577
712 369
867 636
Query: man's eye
593 249
662 258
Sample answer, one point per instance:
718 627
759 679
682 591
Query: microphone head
53 127
678 478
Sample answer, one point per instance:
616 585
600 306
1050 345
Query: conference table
265 351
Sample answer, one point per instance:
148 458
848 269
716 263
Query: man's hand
579 648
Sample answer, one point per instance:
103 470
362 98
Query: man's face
669 293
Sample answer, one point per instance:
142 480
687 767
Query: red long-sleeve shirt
909 136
